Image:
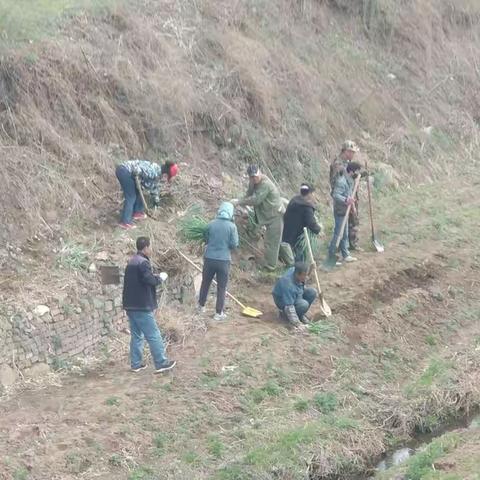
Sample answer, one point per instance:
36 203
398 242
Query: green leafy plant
73 256
301 405
326 402
215 446
301 246
326 330
113 401
192 226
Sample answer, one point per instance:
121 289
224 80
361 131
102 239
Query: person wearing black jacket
140 302
300 213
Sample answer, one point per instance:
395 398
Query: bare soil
106 422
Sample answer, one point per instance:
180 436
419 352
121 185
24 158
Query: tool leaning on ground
140 191
378 246
331 262
247 311
324 307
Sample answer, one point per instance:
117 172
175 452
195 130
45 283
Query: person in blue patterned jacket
150 175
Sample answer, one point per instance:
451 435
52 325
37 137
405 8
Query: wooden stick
194 265
324 306
140 191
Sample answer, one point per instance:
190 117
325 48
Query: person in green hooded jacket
221 237
269 208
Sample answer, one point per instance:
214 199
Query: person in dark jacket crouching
300 213
221 238
291 296
140 303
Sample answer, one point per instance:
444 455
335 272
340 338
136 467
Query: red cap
173 171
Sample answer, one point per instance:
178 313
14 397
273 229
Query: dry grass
172 89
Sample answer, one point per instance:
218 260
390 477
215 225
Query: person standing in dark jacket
221 238
140 303
300 213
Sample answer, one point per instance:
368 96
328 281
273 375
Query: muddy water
401 455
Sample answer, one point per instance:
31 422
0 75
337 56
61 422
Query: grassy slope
453 456
400 353
23 21
217 87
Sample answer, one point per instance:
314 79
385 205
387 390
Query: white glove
163 276
234 201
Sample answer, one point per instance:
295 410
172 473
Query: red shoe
127 226
139 216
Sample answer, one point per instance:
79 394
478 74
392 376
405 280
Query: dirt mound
386 290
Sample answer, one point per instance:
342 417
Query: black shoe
143 366
168 365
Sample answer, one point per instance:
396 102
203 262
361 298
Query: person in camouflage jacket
150 175
265 198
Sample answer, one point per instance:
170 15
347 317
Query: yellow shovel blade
251 312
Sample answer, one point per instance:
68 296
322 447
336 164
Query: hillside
216 85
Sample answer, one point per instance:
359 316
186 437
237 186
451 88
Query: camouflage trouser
353 228
272 240
286 254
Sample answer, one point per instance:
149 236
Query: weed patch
20 474
73 257
422 464
142 473
324 330
301 405
325 402
215 446
112 402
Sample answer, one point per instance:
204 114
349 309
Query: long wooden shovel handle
345 220
194 265
140 191
310 252
370 207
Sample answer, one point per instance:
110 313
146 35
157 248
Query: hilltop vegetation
217 85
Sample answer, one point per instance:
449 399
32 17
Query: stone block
41 310
108 306
98 303
8 376
37 370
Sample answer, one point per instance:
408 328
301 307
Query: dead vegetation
266 87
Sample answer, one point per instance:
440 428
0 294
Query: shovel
140 191
247 311
331 262
378 246
326 310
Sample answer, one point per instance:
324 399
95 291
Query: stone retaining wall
40 338
55 333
